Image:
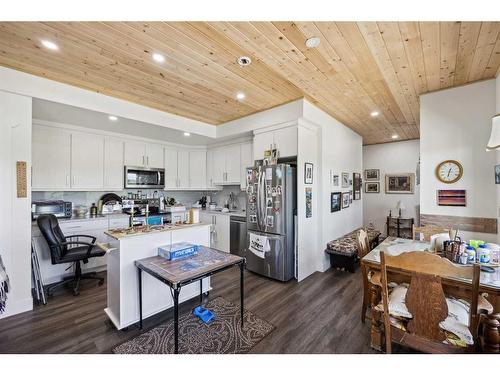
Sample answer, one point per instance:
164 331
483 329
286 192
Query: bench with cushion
344 250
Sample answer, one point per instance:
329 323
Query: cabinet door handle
143 160
74 180
67 180
147 160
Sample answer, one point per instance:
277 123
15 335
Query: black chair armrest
82 235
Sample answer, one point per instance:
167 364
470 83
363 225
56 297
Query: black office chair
69 249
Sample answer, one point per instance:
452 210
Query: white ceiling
66 114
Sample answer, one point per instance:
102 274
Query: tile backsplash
187 198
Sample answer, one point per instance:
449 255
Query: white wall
340 151
397 157
15 226
456 124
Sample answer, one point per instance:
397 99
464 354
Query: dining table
489 287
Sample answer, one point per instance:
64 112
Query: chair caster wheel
76 293
101 282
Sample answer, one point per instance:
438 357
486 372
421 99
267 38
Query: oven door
147 178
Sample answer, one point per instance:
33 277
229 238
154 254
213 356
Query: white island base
123 293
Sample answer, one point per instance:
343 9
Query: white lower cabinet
219 230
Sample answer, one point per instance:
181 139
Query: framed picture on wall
335 202
346 198
335 180
345 179
308 173
356 185
401 183
372 174
455 198
372 187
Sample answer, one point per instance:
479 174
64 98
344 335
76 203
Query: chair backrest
362 242
425 297
427 232
49 227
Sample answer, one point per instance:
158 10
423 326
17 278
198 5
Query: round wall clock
449 171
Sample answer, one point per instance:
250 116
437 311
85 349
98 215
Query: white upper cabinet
140 154
154 155
284 139
183 169
210 169
233 164
87 161
51 155
171 181
219 165
246 161
261 143
113 164
197 168
135 154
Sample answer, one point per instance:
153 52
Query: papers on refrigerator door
259 245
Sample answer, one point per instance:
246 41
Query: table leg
176 320
242 290
366 292
201 292
140 297
491 333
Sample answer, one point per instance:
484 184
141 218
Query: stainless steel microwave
58 208
145 178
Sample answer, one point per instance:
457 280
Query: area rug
223 335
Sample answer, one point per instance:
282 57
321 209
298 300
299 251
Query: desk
489 284
179 273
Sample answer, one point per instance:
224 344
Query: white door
261 143
51 155
219 165
170 168
233 164
154 155
135 154
183 168
286 141
113 164
198 169
87 161
246 161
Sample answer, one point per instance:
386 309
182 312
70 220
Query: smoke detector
313 42
244 60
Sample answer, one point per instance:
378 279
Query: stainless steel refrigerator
271 206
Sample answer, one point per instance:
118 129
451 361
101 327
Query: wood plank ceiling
358 68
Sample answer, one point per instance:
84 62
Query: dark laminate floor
319 315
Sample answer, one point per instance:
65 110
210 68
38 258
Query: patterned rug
223 335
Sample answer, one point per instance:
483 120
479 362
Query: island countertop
122 233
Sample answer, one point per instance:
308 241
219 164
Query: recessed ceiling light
240 96
158 58
186 134
112 118
244 60
313 42
395 136
50 45
374 114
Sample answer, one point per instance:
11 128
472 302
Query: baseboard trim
17 307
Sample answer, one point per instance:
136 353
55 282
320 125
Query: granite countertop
240 213
76 219
119 234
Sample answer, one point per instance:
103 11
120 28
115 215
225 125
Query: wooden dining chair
364 248
425 300
427 231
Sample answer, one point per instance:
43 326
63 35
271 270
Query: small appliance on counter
58 208
109 203
178 213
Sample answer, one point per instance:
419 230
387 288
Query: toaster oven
58 208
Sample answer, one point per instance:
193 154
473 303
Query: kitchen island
127 246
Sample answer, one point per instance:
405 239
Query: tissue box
178 250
